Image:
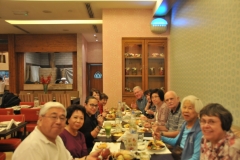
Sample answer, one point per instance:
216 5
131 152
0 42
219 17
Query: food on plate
102 146
158 145
105 154
113 124
118 134
143 129
126 125
110 116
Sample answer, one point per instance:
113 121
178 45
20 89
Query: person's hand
147 125
149 111
104 114
94 155
100 120
133 105
156 132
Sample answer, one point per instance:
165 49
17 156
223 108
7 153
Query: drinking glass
118 125
140 136
108 126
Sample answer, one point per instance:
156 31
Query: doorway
94 77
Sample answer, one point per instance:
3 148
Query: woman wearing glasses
218 141
92 125
74 140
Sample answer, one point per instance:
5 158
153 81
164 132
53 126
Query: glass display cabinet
144 64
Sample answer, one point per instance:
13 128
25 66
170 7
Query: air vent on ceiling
91 15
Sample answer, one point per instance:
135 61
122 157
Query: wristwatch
162 134
99 127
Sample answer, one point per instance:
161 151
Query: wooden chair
9 145
73 93
65 99
6 111
2 156
31 116
45 98
26 97
18 118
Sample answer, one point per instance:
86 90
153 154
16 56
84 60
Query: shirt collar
178 107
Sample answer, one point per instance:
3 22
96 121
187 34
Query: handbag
176 151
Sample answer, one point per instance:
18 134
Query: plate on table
158 146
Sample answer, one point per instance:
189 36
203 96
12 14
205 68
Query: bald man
175 119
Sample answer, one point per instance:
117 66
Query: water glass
108 126
118 125
140 136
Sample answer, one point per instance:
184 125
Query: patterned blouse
162 114
227 148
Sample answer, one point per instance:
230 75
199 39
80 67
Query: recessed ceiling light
20 13
96 40
47 11
94 35
54 21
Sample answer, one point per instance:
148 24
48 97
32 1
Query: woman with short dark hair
74 140
218 141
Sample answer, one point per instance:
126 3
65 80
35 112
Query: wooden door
94 77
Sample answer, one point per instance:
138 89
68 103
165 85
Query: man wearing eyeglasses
44 143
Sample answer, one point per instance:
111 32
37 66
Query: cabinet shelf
133 57
155 76
155 57
133 76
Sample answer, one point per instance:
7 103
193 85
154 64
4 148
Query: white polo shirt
37 147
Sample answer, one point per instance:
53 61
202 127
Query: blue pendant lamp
159 25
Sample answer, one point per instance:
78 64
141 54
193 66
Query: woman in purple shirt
74 140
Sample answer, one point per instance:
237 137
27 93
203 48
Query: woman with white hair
188 141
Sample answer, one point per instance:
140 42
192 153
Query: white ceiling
61 10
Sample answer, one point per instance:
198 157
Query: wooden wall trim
46 43
74 71
12 65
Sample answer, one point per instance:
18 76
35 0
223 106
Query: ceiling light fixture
20 13
54 21
159 25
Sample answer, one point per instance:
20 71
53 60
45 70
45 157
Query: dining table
156 155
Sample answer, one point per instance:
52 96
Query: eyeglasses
210 122
94 105
55 118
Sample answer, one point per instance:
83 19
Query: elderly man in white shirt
44 143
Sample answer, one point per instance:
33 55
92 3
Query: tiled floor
9 155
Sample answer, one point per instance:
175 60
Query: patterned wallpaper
118 23
204 54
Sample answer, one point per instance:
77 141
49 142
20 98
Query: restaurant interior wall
205 59
120 23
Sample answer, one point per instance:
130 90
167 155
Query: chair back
26 97
31 115
64 99
44 98
18 118
6 111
